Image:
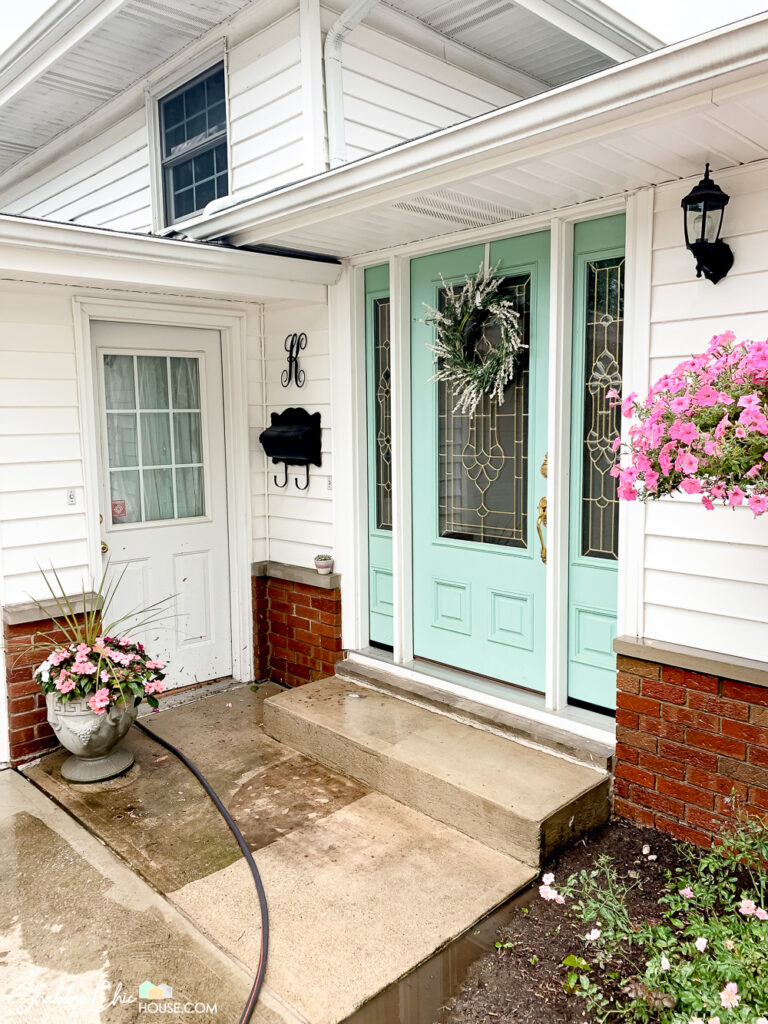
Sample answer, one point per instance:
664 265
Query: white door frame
232 328
351 490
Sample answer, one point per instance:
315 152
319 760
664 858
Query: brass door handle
540 522
104 547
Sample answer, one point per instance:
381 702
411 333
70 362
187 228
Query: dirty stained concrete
79 932
361 888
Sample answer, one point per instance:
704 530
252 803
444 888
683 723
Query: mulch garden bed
523 984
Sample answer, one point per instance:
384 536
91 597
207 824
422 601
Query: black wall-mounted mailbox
294 438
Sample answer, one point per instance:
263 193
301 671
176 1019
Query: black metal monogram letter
294 343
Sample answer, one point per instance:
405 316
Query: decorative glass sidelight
483 459
604 329
383 413
154 438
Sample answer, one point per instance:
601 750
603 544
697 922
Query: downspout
334 90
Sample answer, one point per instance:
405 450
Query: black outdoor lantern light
703 219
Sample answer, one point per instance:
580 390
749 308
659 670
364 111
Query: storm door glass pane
483 459
156 439
187 438
185 383
125 495
604 331
189 492
383 396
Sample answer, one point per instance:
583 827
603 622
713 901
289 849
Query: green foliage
705 955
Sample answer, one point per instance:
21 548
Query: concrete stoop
511 795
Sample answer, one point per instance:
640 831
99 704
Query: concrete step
516 798
528 722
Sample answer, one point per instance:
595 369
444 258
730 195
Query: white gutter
334 86
684 74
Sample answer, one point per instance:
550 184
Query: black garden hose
250 1006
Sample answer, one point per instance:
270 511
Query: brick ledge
296 574
725 666
28 611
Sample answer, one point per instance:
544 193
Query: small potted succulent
94 678
324 564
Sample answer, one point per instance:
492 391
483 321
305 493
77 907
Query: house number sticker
118 508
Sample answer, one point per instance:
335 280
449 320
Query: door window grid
604 329
383 391
126 408
483 459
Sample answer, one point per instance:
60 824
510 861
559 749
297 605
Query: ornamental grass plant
702 960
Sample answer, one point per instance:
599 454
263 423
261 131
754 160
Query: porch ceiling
650 121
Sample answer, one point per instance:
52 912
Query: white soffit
106 49
726 130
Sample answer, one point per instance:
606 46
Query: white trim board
232 328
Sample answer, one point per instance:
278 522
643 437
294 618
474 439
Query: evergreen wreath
461 328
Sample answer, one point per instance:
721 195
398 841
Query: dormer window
193 132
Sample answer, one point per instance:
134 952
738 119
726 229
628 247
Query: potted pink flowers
702 429
94 679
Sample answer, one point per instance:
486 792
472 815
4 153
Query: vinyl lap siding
706 572
387 101
40 453
104 183
265 106
300 522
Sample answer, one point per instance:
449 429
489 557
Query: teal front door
478 482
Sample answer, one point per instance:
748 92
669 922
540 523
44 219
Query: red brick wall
30 734
684 743
297 631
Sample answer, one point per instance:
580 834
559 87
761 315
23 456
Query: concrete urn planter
91 739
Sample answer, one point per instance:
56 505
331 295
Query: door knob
541 522
104 547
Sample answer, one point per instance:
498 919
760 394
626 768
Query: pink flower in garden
736 496
155 665
713 1020
548 879
651 480
740 432
616 444
104 677
688 463
84 668
761 915
627 492
705 396
753 471
594 935
687 892
665 964
747 908
559 898
708 505
680 404
685 432
99 701
729 997
153 686
547 893
66 685
83 649
729 944
758 503
701 944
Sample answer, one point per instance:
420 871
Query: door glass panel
383 396
158 494
118 381
125 495
604 331
483 459
153 381
156 439
121 439
165 446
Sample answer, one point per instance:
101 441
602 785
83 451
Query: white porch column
402 509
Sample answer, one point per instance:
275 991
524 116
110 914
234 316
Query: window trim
186 68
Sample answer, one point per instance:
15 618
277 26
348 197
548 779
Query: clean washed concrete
80 931
361 889
519 799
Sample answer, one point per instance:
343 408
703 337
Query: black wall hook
285 479
296 480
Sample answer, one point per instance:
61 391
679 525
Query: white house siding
266 108
40 439
300 522
103 183
706 572
394 92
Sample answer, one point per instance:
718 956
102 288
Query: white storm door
163 489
